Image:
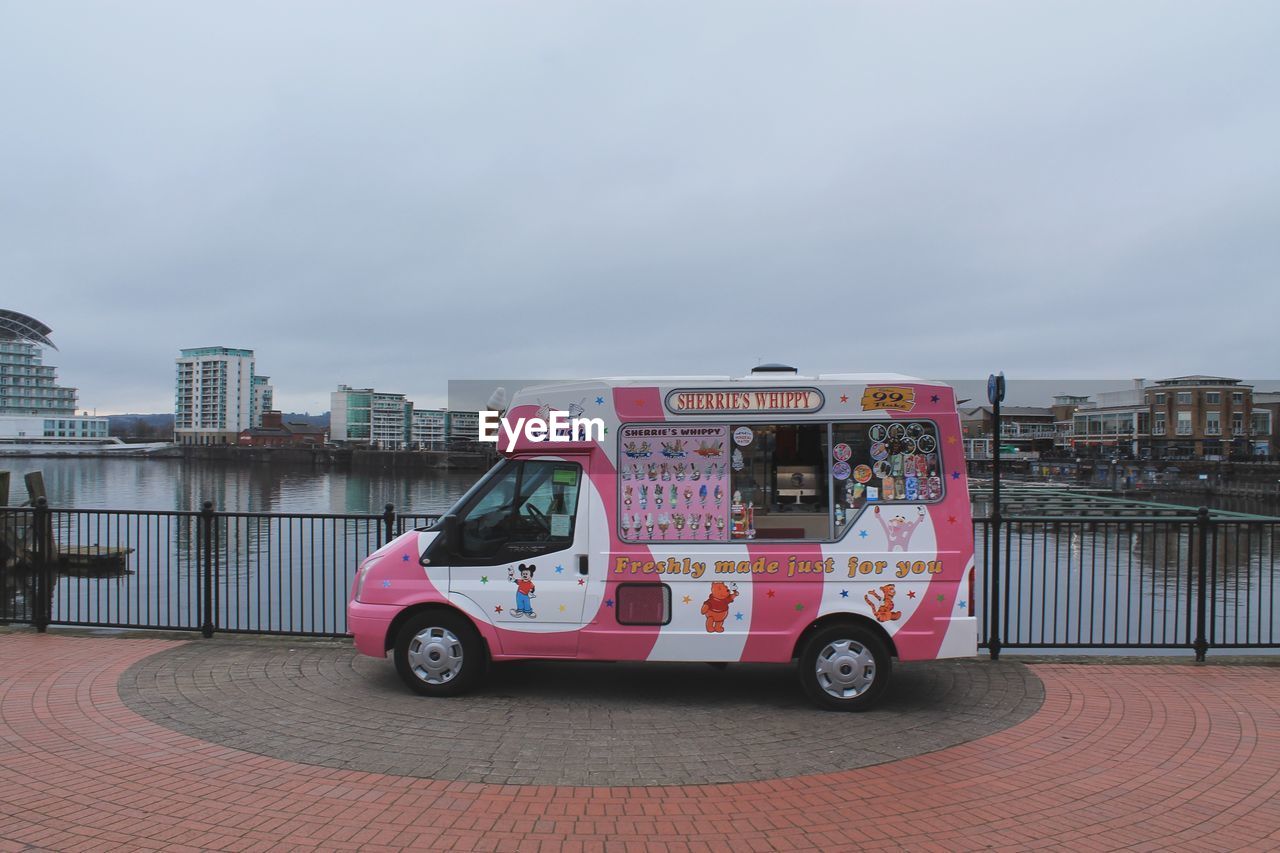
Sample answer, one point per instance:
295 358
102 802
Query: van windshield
482 483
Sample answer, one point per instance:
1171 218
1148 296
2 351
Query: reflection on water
168 484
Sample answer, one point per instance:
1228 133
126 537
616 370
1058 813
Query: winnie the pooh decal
716 607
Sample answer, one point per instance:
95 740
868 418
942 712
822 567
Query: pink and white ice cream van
771 518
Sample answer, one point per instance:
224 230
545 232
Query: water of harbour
177 484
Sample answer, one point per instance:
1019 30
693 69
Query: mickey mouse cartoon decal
524 590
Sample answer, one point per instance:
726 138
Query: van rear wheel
438 653
845 668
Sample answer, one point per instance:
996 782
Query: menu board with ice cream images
673 483
903 462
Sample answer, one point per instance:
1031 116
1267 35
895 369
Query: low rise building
276 432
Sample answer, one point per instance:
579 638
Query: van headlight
362 576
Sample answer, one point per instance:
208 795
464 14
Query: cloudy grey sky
396 194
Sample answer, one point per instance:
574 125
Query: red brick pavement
1136 756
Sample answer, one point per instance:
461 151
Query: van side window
892 462
778 485
530 509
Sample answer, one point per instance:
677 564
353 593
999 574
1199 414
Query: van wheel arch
843 619
393 630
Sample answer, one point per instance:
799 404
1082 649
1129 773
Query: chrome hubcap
845 669
435 655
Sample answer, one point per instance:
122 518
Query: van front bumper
368 624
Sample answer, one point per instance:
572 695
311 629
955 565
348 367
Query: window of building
1184 423
1237 397
1213 398
1262 423
1184 398
1161 399
1213 423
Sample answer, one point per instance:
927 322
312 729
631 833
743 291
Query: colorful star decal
599 401
911 593
687 599
799 606
404 558
639 402
941 597
770 594
738 616
844 398
484 579
951 519
559 570
582 581
606 430
608 602
844 593
933 399
498 609
960 605
863 534
561 608
951 439
955 475
386 584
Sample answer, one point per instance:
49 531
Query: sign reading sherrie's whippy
694 401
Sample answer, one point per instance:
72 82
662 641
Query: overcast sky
398 194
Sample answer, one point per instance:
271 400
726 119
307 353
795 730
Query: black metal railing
1085 582
1191 581
207 571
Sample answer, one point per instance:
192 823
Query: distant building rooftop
20 327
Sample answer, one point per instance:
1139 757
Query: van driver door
522 549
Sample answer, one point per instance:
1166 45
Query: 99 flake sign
878 397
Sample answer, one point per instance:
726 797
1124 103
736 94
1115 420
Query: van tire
845 667
439 653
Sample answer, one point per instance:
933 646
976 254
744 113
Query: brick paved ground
1143 756
562 723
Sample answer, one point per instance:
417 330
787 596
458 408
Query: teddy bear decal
716 607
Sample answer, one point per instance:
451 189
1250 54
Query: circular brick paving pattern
563 723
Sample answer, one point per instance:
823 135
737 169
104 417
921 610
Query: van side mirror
448 529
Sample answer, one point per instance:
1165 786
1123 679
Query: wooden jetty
17 538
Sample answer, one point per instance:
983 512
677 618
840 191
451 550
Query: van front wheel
845 668
439 654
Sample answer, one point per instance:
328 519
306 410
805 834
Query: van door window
529 509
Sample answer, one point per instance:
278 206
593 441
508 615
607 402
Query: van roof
772 379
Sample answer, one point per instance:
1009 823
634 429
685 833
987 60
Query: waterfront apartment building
1184 417
34 408
364 416
1026 432
429 430
263 398
214 395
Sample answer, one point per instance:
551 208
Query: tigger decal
882 606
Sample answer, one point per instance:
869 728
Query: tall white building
213 395
33 407
263 398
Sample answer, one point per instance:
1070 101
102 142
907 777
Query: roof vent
774 368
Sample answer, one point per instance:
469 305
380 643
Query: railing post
42 606
205 540
388 523
1201 644
993 599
